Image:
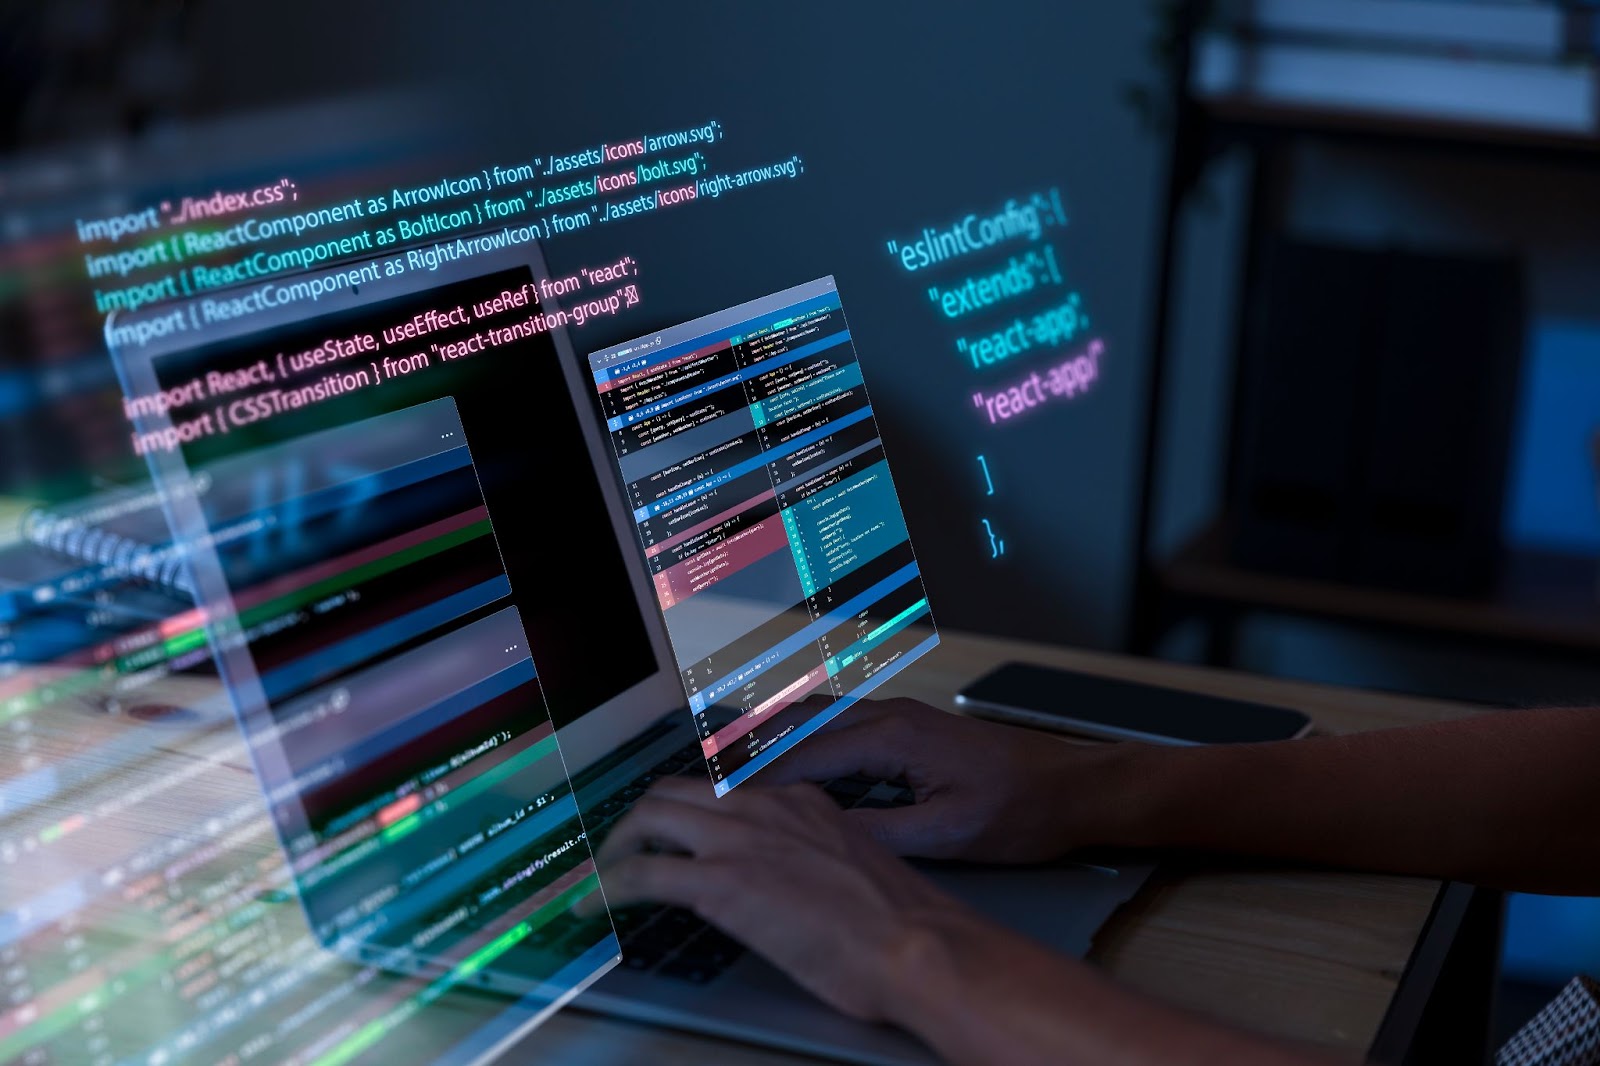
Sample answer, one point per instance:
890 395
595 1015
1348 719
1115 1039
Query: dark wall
905 116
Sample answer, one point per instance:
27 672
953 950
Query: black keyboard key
629 919
685 970
704 957
651 945
712 948
665 934
680 920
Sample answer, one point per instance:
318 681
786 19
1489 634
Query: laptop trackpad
1060 906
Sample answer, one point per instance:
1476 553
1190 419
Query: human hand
984 792
801 883
782 870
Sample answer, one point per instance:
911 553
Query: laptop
632 696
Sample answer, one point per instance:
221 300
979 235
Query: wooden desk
1310 956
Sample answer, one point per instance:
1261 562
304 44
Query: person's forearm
1508 799
979 994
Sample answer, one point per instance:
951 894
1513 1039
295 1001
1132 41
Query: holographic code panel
768 519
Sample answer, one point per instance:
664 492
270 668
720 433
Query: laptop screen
767 518
396 498
538 484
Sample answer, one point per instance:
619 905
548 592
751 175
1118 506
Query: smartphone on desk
1064 701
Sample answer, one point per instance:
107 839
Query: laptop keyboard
674 941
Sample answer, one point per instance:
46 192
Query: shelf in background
1251 76
1540 598
1246 112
